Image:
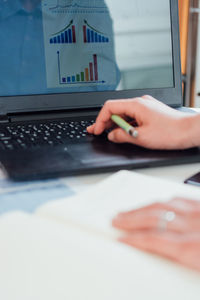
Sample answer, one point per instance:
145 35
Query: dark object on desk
86 157
55 82
194 180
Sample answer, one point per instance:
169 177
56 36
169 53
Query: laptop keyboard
29 135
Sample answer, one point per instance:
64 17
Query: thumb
120 136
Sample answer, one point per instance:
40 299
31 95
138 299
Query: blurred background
143 44
189 11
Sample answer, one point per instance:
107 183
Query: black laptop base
40 80
94 157
33 149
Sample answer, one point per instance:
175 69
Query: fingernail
91 128
111 136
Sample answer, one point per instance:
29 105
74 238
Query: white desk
45 260
177 173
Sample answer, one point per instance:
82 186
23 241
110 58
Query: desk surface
176 173
46 260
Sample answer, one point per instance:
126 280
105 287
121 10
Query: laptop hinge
23 117
4 119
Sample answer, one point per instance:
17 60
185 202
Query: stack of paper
68 250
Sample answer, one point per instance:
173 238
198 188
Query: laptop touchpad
99 153
41 161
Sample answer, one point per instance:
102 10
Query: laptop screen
73 46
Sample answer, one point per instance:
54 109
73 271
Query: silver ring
166 217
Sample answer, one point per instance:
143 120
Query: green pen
125 126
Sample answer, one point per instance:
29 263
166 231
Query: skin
180 241
159 127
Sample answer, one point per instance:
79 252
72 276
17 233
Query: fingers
91 128
179 240
183 249
120 107
150 217
120 136
143 218
168 245
155 123
190 251
187 205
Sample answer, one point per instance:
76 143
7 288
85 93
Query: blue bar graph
91 36
66 37
62 38
96 37
88 35
70 36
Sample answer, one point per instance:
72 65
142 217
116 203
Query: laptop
60 61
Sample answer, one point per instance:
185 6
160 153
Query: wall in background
184 18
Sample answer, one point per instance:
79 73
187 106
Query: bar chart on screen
79 45
88 75
92 35
65 36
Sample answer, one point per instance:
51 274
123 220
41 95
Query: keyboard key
43 133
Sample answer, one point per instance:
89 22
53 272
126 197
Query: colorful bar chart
67 36
91 35
88 75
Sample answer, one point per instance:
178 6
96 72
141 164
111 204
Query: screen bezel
70 101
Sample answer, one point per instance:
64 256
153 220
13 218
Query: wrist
189 127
